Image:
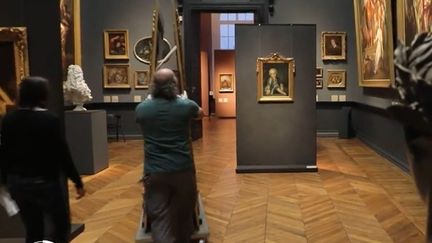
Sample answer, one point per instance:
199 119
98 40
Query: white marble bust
75 88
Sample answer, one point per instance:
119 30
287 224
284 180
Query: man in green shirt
169 171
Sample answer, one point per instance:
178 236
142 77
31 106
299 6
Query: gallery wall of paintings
115 47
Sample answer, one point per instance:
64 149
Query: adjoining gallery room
215 121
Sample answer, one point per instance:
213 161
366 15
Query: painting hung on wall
374 42
319 72
116 76
142 50
14 64
226 84
70 34
414 17
275 81
141 80
336 79
116 44
333 46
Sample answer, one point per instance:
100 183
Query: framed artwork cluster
116 48
333 49
336 78
319 78
118 76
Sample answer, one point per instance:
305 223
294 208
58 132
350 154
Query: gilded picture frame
226 83
116 44
142 79
275 79
116 76
333 46
374 39
336 79
413 17
70 33
15 64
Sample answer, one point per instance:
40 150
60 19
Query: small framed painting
226 83
141 79
116 44
116 76
333 46
336 79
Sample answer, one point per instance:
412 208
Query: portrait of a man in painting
333 45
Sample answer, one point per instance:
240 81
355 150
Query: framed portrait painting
336 79
142 79
374 39
116 76
333 46
116 44
414 17
226 83
275 81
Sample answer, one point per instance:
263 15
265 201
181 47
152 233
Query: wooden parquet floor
357 196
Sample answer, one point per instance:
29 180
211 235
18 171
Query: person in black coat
34 160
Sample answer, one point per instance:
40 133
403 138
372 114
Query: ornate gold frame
401 15
109 56
275 58
105 76
387 49
336 71
17 36
324 55
231 90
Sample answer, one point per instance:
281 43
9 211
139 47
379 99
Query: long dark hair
33 92
164 87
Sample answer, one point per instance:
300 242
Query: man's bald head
164 84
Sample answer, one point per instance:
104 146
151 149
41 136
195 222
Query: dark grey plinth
87 137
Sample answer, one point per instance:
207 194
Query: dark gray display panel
276 137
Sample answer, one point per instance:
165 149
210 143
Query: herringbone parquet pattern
357 196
